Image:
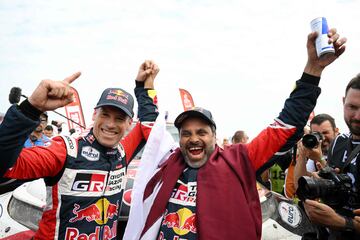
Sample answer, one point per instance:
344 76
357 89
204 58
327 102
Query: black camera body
334 189
312 140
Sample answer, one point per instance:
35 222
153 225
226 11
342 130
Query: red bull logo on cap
94 212
118 95
182 222
118 92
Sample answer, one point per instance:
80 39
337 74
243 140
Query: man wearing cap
202 191
85 176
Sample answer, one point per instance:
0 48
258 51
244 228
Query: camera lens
311 188
311 140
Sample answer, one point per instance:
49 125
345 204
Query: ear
130 120
343 100
336 131
94 115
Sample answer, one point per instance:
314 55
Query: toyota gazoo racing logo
182 222
100 212
90 153
87 182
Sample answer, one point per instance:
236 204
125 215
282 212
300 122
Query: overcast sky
239 59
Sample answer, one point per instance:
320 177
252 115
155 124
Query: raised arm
21 120
288 126
147 109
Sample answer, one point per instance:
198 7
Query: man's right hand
50 95
147 73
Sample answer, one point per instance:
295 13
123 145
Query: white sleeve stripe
281 124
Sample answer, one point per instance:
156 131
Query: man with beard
202 191
324 124
343 146
308 159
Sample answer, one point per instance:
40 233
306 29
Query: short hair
238 135
320 118
45 115
354 84
72 131
49 128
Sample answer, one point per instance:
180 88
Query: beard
325 150
197 164
355 130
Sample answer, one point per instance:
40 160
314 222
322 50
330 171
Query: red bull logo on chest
182 222
107 233
100 212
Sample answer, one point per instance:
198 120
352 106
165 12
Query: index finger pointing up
72 78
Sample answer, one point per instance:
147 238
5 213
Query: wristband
349 224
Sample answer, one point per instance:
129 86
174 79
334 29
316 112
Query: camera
312 140
334 189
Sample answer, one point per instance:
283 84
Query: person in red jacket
84 177
202 191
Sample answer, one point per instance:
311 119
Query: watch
349 224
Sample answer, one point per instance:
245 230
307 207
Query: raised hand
50 95
316 65
147 73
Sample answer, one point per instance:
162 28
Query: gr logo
88 182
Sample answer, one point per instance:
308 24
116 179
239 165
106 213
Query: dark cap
195 112
119 98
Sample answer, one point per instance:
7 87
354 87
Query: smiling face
197 141
110 125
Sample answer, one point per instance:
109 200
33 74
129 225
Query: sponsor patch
70 142
182 221
90 153
87 182
106 232
185 194
290 214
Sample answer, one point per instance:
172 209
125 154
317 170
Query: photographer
344 156
323 131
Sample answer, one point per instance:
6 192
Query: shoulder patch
121 150
71 146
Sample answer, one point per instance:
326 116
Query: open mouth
195 150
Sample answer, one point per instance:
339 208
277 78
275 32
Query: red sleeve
268 142
138 135
39 161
